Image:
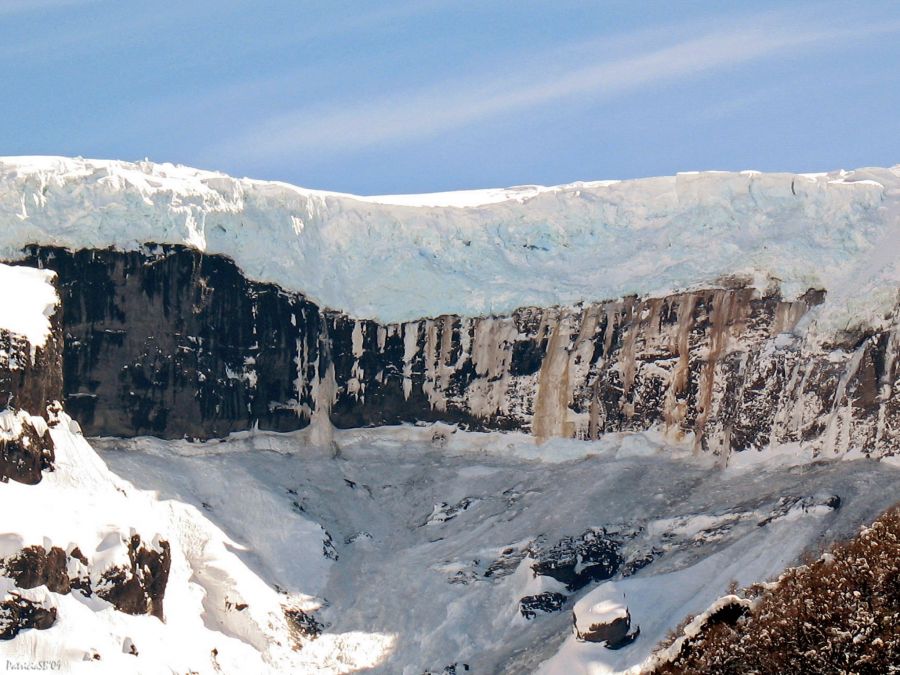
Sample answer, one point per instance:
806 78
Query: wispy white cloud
22 6
417 114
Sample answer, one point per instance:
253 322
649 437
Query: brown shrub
839 614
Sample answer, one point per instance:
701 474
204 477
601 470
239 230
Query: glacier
475 253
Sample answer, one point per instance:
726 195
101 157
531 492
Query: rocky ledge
135 587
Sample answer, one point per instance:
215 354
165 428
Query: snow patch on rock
27 301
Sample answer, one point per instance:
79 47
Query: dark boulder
544 603
615 633
578 561
18 614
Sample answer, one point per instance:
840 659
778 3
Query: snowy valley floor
431 535
412 546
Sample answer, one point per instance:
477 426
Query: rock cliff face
31 379
170 342
31 376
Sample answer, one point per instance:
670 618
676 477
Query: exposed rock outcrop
578 561
26 447
140 587
18 614
31 376
302 624
31 379
544 603
136 588
35 566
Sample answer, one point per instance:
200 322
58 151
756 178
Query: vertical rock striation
171 342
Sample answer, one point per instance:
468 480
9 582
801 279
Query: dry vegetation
839 614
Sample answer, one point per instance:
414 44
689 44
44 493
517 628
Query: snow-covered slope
412 549
439 535
222 612
473 253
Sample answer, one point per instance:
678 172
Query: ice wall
396 259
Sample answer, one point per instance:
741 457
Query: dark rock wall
31 378
173 343
170 342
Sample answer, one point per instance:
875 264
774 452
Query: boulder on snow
604 619
545 603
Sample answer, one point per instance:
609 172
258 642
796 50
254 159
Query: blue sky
424 95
